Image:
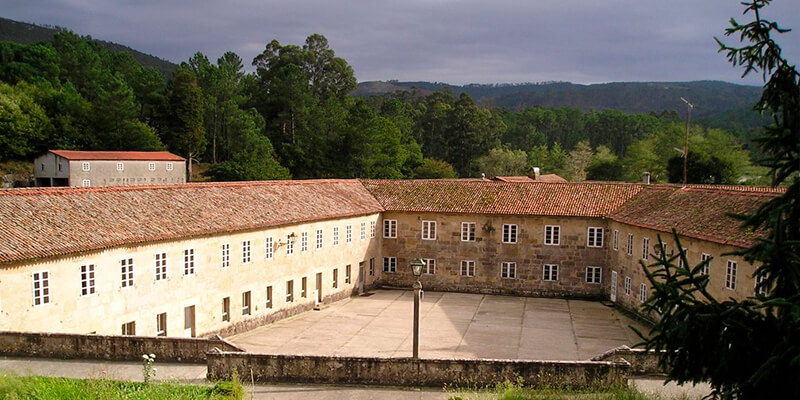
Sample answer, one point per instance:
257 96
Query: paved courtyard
454 325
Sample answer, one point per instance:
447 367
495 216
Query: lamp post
416 270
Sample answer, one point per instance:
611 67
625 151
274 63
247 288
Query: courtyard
453 325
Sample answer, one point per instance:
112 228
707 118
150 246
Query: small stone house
108 168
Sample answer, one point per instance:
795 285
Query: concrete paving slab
452 325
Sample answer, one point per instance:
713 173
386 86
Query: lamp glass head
416 267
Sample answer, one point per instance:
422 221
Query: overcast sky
453 41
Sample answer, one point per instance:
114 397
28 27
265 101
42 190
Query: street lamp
416 270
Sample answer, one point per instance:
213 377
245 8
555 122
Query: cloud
436 40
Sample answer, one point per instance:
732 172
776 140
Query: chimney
646 178
533 173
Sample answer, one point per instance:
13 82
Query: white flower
144 356
153 356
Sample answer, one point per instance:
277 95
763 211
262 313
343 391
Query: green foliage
434 169
503 162
605 166
23 124
45 388
751 348
579 159
185 135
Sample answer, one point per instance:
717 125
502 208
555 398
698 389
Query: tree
751 348
605 166
434 169
579 159
23 124
503 162
186 135
701 168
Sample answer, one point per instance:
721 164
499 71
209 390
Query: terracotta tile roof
488 197
45 222
699 211
118 155
547 178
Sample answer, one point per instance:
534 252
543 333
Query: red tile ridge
180 186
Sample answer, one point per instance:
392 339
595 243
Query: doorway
319 288
188 322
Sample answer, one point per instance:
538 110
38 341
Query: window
41 288
430 266
120 166
642 293
246 303
662 250
508 270
467 268
428 230
595 237
629 249
129 328
335 236
226 309
616 239
245 252
268 247
390 228
628 286
269 297
730 275
188 262
347 274
705 257
289 244
684 253
371 267
372 229
151 166
289 291
161 266
42 166
467 231
87 279
85 167
169 166
552 235
335 278
761 287
59 167
550 272
349 233
363 230
319 238
226 255
127 272
304 242
593 274
161 324
303 287
645 248
390 264
86 183
509 233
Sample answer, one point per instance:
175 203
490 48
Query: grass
46 388
516 391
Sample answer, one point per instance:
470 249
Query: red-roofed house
108 168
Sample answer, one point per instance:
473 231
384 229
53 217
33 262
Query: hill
24 33
709 97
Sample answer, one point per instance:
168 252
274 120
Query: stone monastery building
205 258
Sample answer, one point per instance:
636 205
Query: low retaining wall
643 362
410 372
109 347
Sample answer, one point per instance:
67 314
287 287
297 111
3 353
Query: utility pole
689 107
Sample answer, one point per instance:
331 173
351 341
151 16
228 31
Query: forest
294 117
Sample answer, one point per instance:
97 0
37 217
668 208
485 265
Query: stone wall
530 253
643 362
107 347
410 372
